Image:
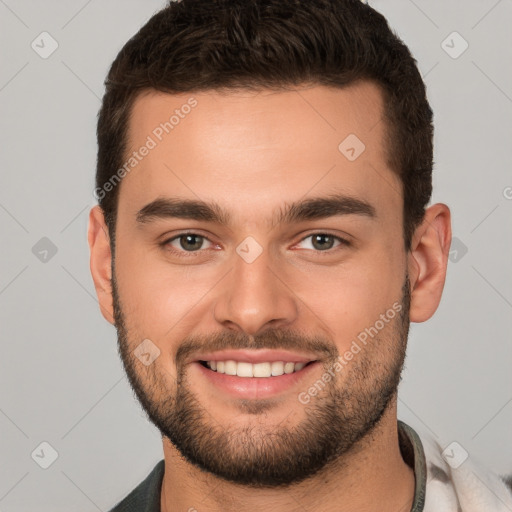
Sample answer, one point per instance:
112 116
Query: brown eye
186 242
325 241
322 242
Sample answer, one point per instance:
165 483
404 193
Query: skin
253 153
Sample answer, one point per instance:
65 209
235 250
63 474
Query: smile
258 370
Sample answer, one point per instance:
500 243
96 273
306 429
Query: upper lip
255 356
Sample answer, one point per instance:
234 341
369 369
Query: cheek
158 299
351 298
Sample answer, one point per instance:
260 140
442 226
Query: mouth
255 370
254 374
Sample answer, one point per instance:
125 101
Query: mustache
271 339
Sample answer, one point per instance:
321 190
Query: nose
255 296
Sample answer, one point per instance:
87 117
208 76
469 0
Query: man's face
263 280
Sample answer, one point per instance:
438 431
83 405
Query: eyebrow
315 208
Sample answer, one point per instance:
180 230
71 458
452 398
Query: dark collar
413 454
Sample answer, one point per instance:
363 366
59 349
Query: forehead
253 149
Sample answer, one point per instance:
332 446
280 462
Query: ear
428 260
101 261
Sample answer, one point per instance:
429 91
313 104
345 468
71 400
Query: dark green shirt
146 496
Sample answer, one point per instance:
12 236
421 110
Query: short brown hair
199 45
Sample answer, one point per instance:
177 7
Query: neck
372 477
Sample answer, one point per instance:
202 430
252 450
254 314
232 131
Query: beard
260 455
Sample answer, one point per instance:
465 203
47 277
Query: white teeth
277 368
244 369
262 370
230 367
289 367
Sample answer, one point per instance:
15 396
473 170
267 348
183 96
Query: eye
323 242
186 242
192 243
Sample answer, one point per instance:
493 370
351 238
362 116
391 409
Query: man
261 244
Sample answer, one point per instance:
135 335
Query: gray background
60 377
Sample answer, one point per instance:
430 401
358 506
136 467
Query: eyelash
191 254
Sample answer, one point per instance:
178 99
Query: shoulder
456 481
146 496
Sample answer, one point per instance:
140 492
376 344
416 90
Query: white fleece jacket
453 481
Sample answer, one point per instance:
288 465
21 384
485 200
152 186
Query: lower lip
256 387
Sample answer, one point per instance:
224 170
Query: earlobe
428 260
101 261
